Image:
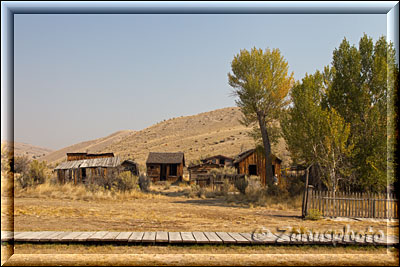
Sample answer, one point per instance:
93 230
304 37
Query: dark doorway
83 175
252 169
273 169
163 173
222 161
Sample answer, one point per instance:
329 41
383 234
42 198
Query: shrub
295 186
241 185
125 181
313 214
21 164
144 183
36 173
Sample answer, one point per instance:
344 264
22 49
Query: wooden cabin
86 170
219 159
83 155
165 166
252 162
130 165
198 170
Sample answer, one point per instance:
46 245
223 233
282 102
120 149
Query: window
252 169
173 169
222 161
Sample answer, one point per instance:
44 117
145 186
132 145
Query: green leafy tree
315 134
359 93
261 82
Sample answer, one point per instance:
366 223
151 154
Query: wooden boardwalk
192 238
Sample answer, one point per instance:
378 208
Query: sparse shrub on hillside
144 183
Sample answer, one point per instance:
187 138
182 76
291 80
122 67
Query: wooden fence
359 205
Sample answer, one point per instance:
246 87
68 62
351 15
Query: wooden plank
136 237
49 237
57 238
149 237
7 236
29 236
97 236
238 238
282 238
46 235
250 238
162 237
70 237
84 236
110 236
175 237
213 237
123 236
227 239
200 237
187 237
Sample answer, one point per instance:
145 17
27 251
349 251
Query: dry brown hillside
31 151
92 146
205 134
201 135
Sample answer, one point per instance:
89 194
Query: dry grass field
70 208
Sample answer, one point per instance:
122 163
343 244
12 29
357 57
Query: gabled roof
89 163
166 158
247 153
217 156
206 164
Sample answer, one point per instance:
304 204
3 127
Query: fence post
305 196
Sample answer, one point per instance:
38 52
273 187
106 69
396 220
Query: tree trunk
267 149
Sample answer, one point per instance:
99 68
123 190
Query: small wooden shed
252 162
198 170
86 170
219 159
165 166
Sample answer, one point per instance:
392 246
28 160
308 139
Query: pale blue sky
80 77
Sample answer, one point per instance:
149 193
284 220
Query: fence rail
345 204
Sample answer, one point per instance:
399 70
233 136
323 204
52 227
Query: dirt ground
167 212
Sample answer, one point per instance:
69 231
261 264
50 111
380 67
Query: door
163 173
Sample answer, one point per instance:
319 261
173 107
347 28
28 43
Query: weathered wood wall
258 159
154 172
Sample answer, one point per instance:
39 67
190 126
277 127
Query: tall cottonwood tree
315 134
261 81
358 87
359 92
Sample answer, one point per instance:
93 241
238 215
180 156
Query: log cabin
252 162
165 166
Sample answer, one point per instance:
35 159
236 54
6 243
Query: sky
81 77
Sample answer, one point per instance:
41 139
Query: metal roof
89 163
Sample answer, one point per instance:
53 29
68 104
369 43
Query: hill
205 134
92 146
31 151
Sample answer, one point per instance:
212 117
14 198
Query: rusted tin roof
89 163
